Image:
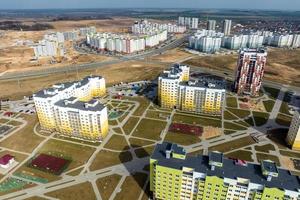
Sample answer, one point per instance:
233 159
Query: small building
6 161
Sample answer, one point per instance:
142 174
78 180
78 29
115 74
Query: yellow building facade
69 108
293 136
202 95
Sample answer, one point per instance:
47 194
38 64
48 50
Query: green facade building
176 176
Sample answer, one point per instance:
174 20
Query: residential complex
51 45
176 176
203 95
86 30
69 108
250 71
293 136
226 26
71 35
211 25
188 22
124 43
207 41
242 41
145 27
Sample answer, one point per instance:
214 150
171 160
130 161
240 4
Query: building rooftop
92 105
55 89
230 169
4 160
205 82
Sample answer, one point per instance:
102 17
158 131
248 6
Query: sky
228 4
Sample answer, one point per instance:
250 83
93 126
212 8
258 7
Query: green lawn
240 113
157 115
269 104
150 129
108 158
134 142
241 154
232 126
284 108
262 156
260 118
231 102
182 139
265 148
290 154
272 92
180 118
234 144
144 151
283 120
132 187
130 124
249 121
229 116
229 132
107 185
117 142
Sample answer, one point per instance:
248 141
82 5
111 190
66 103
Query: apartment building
211 25
250 71
176 176
293 136
203 95
63 99
226 27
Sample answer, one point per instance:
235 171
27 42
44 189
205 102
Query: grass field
117 142
290 154
24 140
229 116
182 139
262 156
234 144
150 129
241 154
107 185
188 119
238 112
144 151
157 114
283 120
260 118
130 124
232 126
108 158
134 142
75 192
132 187
231 102
272 92
265 148
269 104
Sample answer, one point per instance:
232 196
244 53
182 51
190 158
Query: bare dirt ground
126 71
283 65
16 56
171 56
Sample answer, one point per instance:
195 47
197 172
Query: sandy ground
16 56
112 73
171 56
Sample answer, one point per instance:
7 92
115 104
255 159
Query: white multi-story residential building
51 45
204 95
195 22
124 43
243 41
83 91
296 41
81 119
86 30
145 27
293 136
250 71
211 25
207 41
226 27
71 35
